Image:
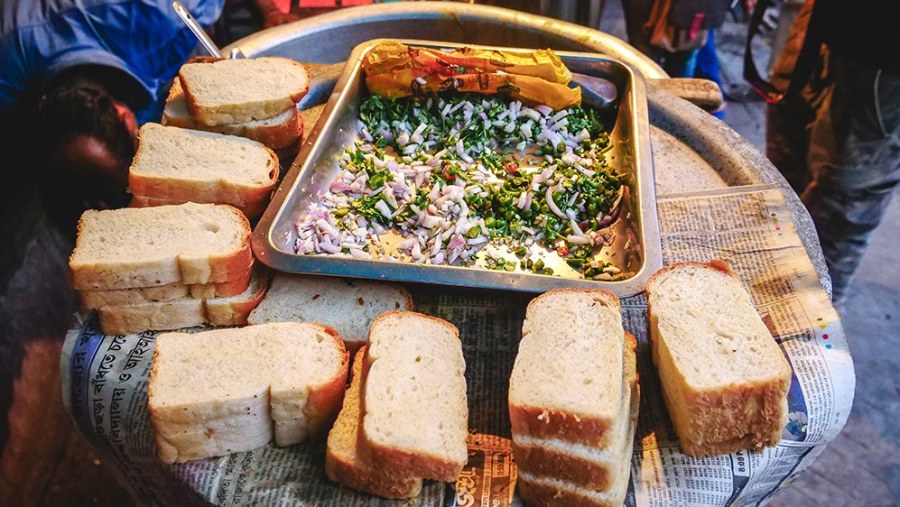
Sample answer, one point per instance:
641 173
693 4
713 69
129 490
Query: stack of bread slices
573 400
228 390
405 416
222 127
253 98
166 267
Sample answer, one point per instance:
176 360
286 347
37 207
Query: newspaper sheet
105 384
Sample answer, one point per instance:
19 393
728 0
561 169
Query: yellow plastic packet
396 70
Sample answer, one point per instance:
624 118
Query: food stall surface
868 433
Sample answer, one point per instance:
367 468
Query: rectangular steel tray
635 247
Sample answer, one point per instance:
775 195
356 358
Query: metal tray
635 247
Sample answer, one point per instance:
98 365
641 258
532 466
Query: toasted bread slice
174 165
343 462
414 409
277 132
586 466
349 306
724 379
228 390
184 312
566 382
150 247
242 90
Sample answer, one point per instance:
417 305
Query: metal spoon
201 35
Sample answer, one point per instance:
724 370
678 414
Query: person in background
77 80
835 136
679 35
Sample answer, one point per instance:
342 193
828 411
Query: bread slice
176 165
184 312
92 299
252 212
242 90
228 390
724 379
414 409
149 247
590 467
566 382
277 132
348 305
343 462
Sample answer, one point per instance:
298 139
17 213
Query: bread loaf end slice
566 382
414 409
724 378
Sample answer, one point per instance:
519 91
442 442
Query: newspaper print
105 385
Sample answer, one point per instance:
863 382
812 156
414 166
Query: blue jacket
143 38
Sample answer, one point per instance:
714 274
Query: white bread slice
724 379
242 90
566 382
343 462
590 467
414 409
277 132
222 391
92 299
347 305
184 312
149 247
178 165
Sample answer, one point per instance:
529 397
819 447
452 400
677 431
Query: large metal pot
329 38
698 151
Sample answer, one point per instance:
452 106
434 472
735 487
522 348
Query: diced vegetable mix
452 173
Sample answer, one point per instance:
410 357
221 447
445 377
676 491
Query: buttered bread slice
228 390
724 379
567 380
150 247
414 410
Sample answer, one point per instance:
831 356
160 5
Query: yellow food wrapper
396 70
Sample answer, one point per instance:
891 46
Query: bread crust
542 422
746 415
536 494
